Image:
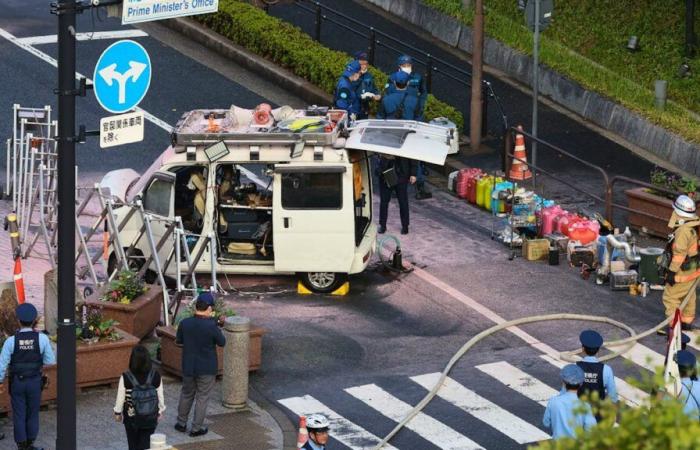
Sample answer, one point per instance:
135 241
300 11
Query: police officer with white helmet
317 425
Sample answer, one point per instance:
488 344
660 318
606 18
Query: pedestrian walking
565 412
317 425
683 267
416 90
199 336
365 89
597 376
24 354
345 96
690 392
140 401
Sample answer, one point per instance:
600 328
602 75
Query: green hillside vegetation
587 42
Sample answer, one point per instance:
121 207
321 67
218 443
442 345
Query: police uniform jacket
398 104
14 344
345 96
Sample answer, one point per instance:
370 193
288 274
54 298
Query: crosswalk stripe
425 426
341 429
490 413
631 395
694 336
642 356
519 381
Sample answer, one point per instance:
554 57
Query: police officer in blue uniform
565 412
416 89
345 96
365 89
598 377
690 392
25 354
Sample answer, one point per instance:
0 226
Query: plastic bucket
648 267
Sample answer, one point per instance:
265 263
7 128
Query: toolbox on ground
558 240
536 249
622 280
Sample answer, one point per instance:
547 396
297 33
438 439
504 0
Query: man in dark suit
199 336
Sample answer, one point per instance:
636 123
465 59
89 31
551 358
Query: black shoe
200 432
382 229
662 331
687 327
29 446
404 230
422 195
181 428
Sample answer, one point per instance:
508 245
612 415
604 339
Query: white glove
367 95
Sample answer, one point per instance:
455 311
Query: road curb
267 69
289 430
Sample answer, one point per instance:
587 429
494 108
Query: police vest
26 361
592 379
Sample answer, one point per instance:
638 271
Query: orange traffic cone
303 436
19 282
519 170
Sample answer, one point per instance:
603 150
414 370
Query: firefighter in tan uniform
684 266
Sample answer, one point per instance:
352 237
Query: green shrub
291 48
586 42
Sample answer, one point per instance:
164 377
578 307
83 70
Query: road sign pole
66 414
535 88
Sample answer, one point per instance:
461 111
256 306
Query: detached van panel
313 222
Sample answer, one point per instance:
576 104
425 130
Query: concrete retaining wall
590 105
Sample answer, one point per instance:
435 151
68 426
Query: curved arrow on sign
109 74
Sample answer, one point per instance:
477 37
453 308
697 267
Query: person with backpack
140 401
24 354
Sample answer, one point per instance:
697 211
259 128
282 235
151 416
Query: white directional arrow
109 74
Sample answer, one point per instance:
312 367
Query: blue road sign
122 76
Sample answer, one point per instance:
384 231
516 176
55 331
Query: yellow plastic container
480 188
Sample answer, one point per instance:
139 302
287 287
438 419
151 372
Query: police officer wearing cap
690 389
25 354
365 89
684 266
598 377
564 412
345 96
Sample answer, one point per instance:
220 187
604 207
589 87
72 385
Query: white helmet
317 422
684 206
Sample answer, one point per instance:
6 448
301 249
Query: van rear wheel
322 282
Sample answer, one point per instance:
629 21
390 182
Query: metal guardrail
608 182
376 37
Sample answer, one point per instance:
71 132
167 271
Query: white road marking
643 356
341 429
629 394
486 411
519 381
44 57
116 34
425 426
694 336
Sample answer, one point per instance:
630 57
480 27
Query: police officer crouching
25 354
598 377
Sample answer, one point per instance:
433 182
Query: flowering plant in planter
91 326
668 180
125 288
220 311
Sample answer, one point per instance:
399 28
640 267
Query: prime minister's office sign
135 11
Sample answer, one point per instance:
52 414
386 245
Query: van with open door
282 191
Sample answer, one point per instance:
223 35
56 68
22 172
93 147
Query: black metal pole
66 414
372 45
429 74
690 43
319 17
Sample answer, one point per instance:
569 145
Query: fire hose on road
626 344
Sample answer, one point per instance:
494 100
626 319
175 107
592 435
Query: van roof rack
314 125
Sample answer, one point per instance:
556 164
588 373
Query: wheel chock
302 290
342 290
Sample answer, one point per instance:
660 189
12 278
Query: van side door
313 217
158 201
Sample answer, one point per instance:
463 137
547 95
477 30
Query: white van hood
118 182
405 138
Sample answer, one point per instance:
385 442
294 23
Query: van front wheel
322 282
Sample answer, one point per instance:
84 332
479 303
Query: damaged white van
284 191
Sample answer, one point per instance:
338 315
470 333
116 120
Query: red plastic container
548 215
567 222
465 178
471 189
584 231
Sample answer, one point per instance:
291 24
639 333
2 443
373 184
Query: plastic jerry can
562 219
567 222
451 180
481 187
548 215
498 205
471 189
584 231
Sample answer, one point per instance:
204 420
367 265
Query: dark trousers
198 387
138 439
25 395
385 197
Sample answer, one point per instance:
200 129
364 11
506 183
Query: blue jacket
8 349
199 337
417 89
345 96
398 104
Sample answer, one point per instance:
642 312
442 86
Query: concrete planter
103 362
171 354
48 395
643 200
138 318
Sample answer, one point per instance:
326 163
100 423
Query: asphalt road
358 354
